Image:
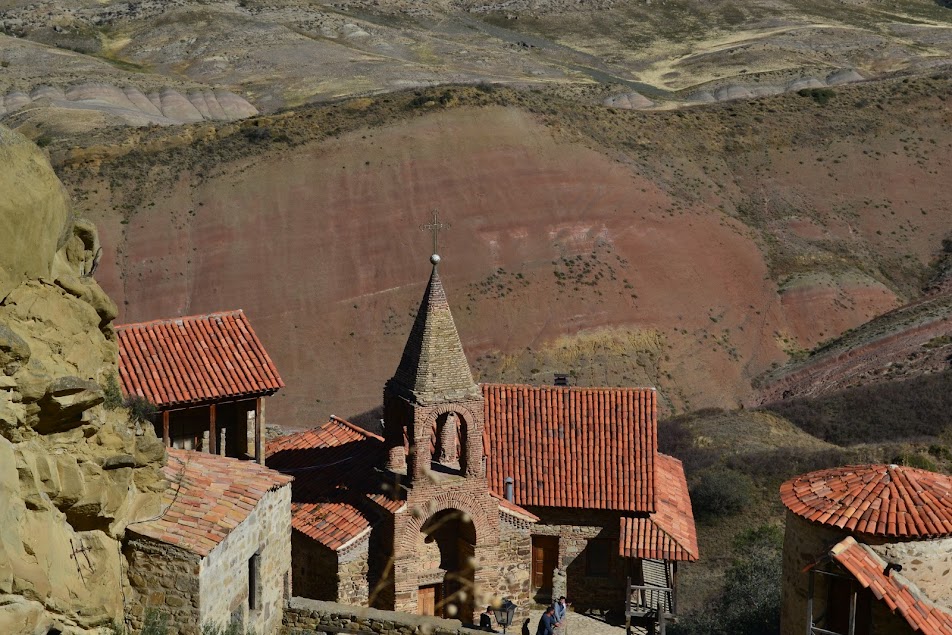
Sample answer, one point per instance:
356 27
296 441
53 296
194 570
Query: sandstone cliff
73 473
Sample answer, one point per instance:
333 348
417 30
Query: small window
254 583
598 558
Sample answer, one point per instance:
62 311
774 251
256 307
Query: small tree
141 410
112 392
721 492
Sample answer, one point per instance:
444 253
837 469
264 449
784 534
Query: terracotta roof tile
669 533
882 500
512 509
588 448
337 493
194 359
898 593
208 496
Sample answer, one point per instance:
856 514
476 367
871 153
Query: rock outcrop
133 107
73 473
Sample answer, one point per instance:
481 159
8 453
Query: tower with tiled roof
433 421
868 548
433 388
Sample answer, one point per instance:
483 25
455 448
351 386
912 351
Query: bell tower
446 537
433 410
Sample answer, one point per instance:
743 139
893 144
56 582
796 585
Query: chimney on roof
561 379
510 490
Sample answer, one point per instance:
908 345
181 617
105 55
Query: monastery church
476 493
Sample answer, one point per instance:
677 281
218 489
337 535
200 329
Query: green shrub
821 96
156 623
749 604
113 392
141 410
914 459
721 492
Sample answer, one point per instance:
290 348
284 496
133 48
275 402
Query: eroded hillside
691 250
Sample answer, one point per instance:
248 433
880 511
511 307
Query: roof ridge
569 388
353 426
169 320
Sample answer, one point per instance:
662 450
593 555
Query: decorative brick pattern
669 533
893 589
589 448
208 498
433 367
880 500
194 359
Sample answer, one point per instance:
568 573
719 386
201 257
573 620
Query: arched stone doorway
447 565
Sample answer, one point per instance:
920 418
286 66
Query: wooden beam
212 432
165 429
852 626
259 430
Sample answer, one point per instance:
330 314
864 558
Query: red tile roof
898 593
194 359
208 496
587 448
338 494
882 500
669 533
512 509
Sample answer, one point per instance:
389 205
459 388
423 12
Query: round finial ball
435 259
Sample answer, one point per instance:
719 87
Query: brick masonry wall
304 616
224 572
575 528
164 578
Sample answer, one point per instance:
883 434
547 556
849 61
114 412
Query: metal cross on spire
435 227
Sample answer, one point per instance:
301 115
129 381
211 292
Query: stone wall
164 578
575 528
225 571
307 617
352 569
314 568
515 553
925 563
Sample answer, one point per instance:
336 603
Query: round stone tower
902 514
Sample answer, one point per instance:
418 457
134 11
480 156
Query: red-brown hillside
690 250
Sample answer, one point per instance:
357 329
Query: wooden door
545 554
428 598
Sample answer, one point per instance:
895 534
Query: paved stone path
575 624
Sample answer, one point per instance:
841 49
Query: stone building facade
220 552
426 519
877 537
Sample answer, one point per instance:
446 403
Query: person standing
547 622
559 609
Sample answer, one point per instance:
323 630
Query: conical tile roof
882 500
433 368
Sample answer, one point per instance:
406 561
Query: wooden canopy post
165 429
810 584
259 430
212 433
